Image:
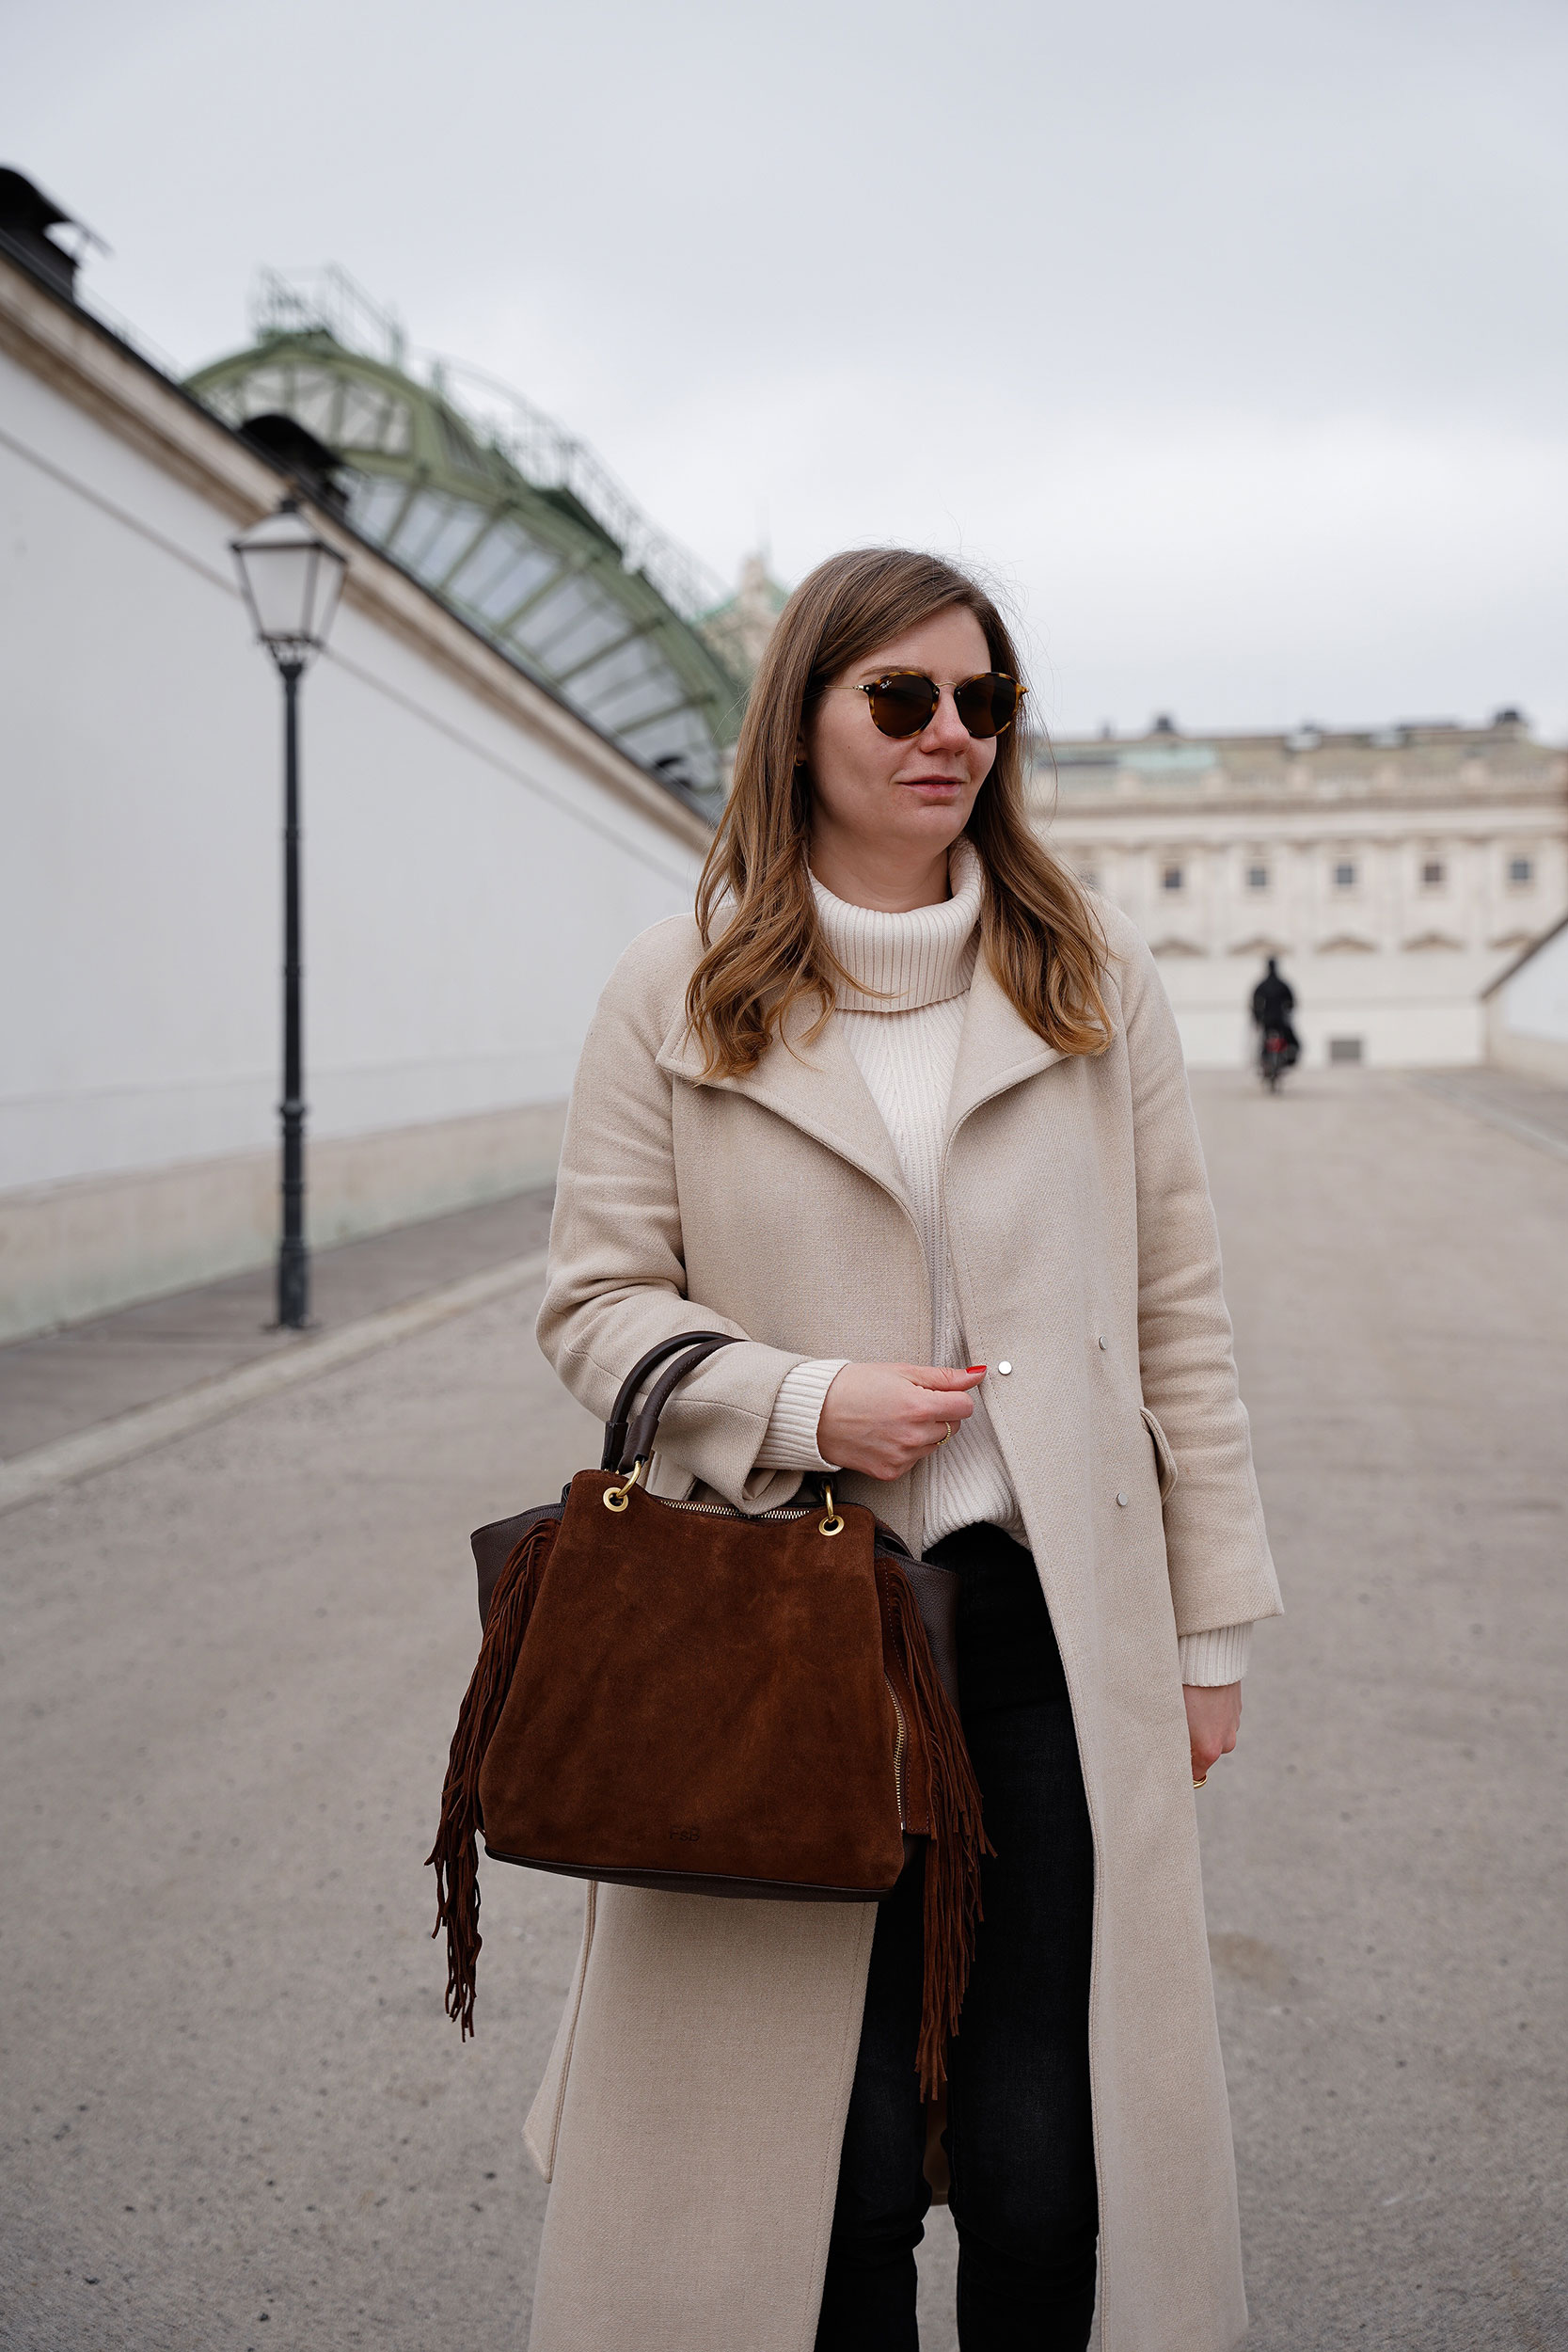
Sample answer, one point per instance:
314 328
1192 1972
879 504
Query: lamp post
291 582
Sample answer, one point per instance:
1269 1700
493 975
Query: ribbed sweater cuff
1211 1660
790 1443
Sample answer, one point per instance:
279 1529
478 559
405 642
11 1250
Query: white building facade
476 857
1394 874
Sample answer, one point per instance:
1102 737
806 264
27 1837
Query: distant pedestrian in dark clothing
1274 1000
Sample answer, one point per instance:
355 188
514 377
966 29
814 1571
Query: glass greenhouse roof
508 519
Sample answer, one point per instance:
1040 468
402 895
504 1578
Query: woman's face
880 798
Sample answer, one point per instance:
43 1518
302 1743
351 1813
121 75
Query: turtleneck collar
901 962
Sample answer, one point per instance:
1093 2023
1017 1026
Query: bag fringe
455 1855
957 1841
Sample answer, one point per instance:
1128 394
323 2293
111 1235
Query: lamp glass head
291 581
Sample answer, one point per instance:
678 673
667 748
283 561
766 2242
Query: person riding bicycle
1274 1000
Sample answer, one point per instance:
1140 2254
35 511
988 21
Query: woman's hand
1214 1721
882 1417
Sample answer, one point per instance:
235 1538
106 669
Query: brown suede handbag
683 1696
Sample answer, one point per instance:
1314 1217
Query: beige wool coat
691 2115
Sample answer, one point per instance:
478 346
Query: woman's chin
929 816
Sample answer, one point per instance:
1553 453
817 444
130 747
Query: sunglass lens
986 705
903 705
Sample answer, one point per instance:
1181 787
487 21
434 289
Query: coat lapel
997 1049
816 1088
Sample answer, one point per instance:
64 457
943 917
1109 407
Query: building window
1171 878
1344 1049
1257 878
1521 872
1433 873
1344 874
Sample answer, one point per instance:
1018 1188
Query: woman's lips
932 783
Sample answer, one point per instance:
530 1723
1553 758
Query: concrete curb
48 1467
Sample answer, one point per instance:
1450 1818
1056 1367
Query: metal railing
544 452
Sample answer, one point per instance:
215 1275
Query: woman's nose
947 728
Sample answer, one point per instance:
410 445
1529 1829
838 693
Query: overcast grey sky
1229 337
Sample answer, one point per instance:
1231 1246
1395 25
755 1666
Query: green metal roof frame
454 508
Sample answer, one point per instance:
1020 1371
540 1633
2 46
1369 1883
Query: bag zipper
728 1511
897 1752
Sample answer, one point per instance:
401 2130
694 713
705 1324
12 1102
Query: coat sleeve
616 1283
1221 1572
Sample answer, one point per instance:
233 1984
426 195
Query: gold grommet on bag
614 1498
832 1524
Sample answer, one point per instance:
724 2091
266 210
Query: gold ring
1203 1783
616 1498
946 1432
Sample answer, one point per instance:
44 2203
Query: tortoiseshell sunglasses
904 702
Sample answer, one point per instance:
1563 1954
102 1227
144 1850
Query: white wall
469 882
1528 1014
1535 998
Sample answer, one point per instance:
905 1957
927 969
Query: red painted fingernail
974 1367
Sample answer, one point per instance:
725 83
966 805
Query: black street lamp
291 581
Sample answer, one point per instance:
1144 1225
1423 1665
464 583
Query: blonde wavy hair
1038 931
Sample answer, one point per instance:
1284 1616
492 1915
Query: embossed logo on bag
685 1837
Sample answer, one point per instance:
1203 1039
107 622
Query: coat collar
818 1088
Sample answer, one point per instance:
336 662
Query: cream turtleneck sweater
902 1020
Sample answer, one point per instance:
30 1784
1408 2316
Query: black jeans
1018 2138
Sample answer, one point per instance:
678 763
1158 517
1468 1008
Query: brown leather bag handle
623 1445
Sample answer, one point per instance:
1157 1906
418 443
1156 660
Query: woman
908 1113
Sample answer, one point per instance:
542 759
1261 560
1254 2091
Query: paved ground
1385 1861
235 2113
231 1668
1519 1105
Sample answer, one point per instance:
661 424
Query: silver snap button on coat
1102 1338
1004 1367
1122 1499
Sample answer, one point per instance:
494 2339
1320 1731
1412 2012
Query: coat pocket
1165 1460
